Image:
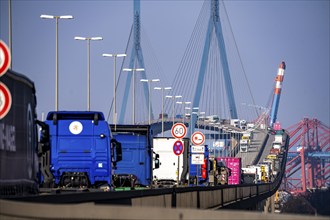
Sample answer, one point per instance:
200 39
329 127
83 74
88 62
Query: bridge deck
9 210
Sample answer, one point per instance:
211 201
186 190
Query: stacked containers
235 165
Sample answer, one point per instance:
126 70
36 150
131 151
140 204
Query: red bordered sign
197 138
5 58
178 148
179 130
5 100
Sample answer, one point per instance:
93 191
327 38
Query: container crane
277 93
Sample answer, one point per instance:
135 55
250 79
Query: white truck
171 166
234 122
250 174
279 138
243 125
244 145
262 172
245 142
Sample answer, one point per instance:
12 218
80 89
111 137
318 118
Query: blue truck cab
199 165
76 150
135 169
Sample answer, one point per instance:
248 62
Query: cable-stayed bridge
209 77
210 81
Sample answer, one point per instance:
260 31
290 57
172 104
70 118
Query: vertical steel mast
214 24
135 60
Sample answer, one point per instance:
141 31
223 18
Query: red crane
308 163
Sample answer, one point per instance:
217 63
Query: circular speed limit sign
179 130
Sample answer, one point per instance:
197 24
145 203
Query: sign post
197 157
197 138
178 149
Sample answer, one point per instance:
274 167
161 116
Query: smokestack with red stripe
277 93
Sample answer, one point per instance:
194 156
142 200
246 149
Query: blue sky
266 33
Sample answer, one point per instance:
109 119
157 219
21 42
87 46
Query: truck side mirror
44 143
157 161
96 119
54 119
117 147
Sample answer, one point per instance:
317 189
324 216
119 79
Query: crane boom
277 93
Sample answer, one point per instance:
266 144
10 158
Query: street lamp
149 81
133 71
56 53
163 88
198 113
114 83
184 111
88 39
187 114
173 98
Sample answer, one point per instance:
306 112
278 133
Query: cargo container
235 166
18 136
218 173
277 126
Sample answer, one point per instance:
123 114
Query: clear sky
266 33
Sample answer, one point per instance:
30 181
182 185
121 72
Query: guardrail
200 197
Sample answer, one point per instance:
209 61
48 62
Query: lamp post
173 98
133 71
88 39
56 53
114 83
149 81
184 107
187 114
198 113
162 89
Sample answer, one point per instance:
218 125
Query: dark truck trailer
18 137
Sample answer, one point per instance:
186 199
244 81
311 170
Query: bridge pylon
214 28
136 60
